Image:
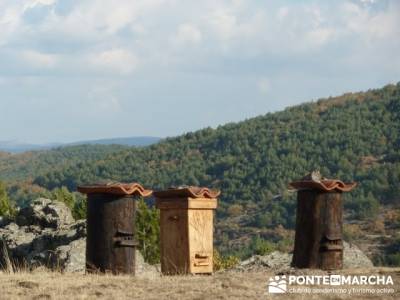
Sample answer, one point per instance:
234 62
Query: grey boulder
353 258
45 213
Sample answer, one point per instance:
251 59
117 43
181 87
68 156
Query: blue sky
86 69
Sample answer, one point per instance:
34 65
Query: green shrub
6 209
260 246
64 195
393 260
80 206
224 262
75 201
148 232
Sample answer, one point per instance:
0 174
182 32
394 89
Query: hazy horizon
91 139
56 143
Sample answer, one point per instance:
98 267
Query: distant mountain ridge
126 141
19 147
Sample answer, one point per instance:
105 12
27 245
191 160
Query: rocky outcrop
353 258
46 214
46 234
275 260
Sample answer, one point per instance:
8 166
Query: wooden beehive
186 230
111 242
318 239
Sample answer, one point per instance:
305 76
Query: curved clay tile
116 189
189 191
326 185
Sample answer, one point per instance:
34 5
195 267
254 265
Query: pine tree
148 232
5 207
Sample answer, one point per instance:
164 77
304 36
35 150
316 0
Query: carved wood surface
318 238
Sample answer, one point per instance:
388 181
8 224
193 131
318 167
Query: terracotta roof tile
116 188
324 185
189 191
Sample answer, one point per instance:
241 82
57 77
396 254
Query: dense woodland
354 137
26 166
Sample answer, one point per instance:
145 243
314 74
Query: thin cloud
173 55
115 60
39 60
187 34
264 85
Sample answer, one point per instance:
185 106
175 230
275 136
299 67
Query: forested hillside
354 137
28 165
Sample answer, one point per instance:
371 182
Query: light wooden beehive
186 229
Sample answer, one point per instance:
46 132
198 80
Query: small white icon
335 280
277 285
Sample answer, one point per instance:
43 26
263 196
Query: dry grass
224 285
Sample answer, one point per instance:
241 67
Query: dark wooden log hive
318 239
110 242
